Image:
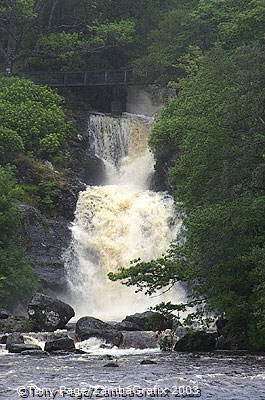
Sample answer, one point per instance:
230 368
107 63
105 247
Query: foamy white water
118 222
96 346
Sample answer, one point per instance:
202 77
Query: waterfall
119 221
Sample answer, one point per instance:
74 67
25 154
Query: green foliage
10 144
216 124
34 114
159 322
47 192
166 343
17 278
19 9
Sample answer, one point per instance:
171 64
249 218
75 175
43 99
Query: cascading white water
118 222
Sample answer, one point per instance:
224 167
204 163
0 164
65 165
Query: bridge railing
84 78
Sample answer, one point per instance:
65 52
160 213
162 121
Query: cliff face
44 240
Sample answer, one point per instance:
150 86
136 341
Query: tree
217 124
16 18
10 144
36 33
17 278
35 116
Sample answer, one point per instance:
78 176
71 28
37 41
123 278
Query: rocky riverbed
92 358
219 376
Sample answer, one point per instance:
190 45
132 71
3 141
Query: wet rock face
196 341
82 160
49 314
88 327
44 240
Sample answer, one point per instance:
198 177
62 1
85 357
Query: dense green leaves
17 278
34 115
10 144
216 129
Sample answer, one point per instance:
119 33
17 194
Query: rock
106 357
111 364
44 240
195 356
4 314
60 352
86 166
49 314
14 338
15 324
232 341
196 341
87 327
231 336
34 353
148 362
65 344
3 339
18 348
55 336
143 322
220 324
125 326
180 332
165 160
80 351
140 340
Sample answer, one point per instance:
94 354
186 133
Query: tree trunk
11 48
54 5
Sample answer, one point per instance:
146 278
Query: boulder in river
49 314
34 353
88 327
145 321
65 344
148 362
196 341
14 338
140 340
18 348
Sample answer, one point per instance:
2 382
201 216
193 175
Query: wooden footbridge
121 77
